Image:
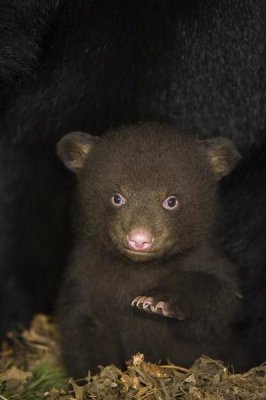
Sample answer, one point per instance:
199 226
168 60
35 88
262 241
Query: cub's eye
118 200
171 203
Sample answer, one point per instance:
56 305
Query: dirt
30 370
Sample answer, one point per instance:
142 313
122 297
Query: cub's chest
118 286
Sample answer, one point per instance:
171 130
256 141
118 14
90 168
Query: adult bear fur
91 65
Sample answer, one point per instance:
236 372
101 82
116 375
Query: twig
181 369
220 364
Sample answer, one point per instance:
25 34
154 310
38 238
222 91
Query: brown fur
185 273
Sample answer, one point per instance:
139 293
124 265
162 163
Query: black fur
91 65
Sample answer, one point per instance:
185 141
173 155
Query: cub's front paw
166 307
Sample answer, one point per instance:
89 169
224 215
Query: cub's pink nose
140 240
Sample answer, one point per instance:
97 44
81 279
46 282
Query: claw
163 308
146 304
135 301
160 305
142 302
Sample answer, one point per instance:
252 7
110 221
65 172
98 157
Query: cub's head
147 191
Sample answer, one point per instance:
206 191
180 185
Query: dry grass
29 370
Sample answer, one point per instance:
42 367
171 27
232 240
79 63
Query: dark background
92 64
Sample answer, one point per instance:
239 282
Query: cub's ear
74 148
222 154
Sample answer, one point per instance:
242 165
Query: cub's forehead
147 144
144 155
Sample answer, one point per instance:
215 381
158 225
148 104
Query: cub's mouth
139 255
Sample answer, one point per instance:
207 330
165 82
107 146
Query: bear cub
146 273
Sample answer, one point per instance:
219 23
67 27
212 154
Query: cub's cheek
116 237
